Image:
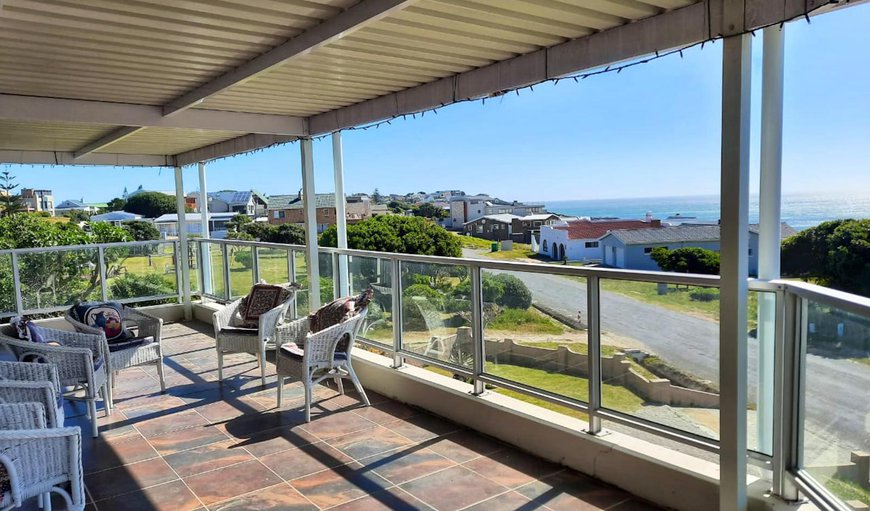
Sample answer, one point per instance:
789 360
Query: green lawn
524 321
520 251
678 298
848 490
472 242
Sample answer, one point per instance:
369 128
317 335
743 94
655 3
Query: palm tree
9 203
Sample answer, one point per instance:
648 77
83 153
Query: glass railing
50 279
627 350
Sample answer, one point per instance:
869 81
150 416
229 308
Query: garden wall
615 370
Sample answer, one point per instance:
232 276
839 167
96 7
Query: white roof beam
677 28
231 147
106 140
68 158
38 109
330 30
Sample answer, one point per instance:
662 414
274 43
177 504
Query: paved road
837 395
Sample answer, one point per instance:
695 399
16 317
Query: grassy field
524 321
472 242
677 298
520 251
848 490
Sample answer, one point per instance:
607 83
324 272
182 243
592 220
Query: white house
74 205
116 218
578 240
168 224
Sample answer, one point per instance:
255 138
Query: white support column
734 268
310 206
340 213
181 258
769 233
205 256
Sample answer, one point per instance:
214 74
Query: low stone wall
615 370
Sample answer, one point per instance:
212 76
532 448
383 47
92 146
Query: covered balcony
761 408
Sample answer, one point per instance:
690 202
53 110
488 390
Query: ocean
798 210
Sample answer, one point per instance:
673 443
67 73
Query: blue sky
649 131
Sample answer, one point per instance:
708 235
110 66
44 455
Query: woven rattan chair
39 461
25 382
312 358
143 354
230 339
79 359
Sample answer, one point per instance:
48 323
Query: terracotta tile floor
226 447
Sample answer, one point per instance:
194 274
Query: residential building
38 200
578 240
288 209
632 248
491 227
116 217
74 205
168 224
465 208
524 227
230 201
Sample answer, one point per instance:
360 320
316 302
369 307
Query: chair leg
161 375
261 359
109 395
104 394
280 391
339 384
357 384
92 407
307 401
46 502
220 364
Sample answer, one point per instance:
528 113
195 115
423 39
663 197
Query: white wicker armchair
79 359
144 354
230 339
312 358
25 382
39 461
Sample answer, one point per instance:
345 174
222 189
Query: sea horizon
799 210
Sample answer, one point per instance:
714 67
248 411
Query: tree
835 254
429 210
376 196
515 295
687 260
390 233
10 203
116 204
237 223
141 230
77 216
150 204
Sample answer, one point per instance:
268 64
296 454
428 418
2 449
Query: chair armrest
148 325
269 320
294 331
69 359
222 317
23 371
14 416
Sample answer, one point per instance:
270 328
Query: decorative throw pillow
106 316
26 329
331 314
261 299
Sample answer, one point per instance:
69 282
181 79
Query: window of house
647 250
750 252
479 229
591 244
545 245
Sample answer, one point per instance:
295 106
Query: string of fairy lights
587 74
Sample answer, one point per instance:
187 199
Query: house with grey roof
289 209
632 248
116 218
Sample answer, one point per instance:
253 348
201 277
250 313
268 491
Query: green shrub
704 295
136 286
515 294
244 257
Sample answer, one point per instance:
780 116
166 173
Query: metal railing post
339 281
16 285
101 260
291 271
176 255
228 292
593 333
201 261
255 254
786 382
477 330
398 359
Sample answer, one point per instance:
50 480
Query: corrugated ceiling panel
38 136
168 141
425 41
140 51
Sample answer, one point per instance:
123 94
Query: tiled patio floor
206 446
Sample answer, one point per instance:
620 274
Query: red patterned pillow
331 314
261 299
